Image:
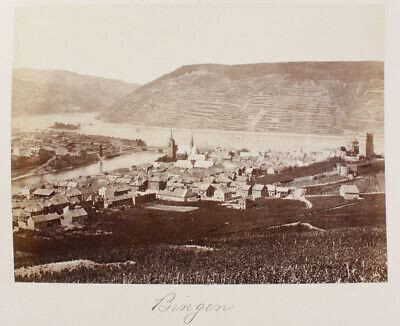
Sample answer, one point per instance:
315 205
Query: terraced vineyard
275 241
306 97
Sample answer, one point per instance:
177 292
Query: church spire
172 147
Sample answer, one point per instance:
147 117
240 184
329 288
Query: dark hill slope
304 97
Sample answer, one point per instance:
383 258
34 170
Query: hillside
37 91
301 97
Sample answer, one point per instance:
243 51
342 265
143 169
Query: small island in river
67 126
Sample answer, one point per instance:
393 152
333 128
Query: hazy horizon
121 42
193 64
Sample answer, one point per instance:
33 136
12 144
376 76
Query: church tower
193 149
172 148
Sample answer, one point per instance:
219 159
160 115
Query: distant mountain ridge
37 91
301 97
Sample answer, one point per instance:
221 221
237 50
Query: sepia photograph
205 145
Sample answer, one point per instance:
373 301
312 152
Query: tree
83 154
45 155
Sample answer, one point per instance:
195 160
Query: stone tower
369 144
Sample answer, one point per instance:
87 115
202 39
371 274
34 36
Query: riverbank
55 152
234 139
52 171
124 160
26 175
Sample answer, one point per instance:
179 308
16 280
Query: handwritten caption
169 303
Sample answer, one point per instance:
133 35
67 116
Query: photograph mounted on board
210 144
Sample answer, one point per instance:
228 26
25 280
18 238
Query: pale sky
141 43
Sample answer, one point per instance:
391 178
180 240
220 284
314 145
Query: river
126 160
156 136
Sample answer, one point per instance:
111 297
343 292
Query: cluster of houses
216 175
46 207
223 187
62 143
65 202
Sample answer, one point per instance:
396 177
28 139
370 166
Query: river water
126 160
156 136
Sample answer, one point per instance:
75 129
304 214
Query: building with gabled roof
34 208
143 198
57 203
223 179
244 190
183 164
249 170
139 184
242 178
271 189
223 193
113 190
259 190
119 200
43 221
73 193
203 164
239 203
77 215
235 185
203 189
180 195
72 184
157 183
124 180
282 191
62 184
43 193
198 157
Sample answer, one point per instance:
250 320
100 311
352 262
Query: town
198 214
235 179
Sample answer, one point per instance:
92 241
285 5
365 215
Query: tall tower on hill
369 144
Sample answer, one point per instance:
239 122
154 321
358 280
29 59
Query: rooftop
75 213
43 192
47 217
